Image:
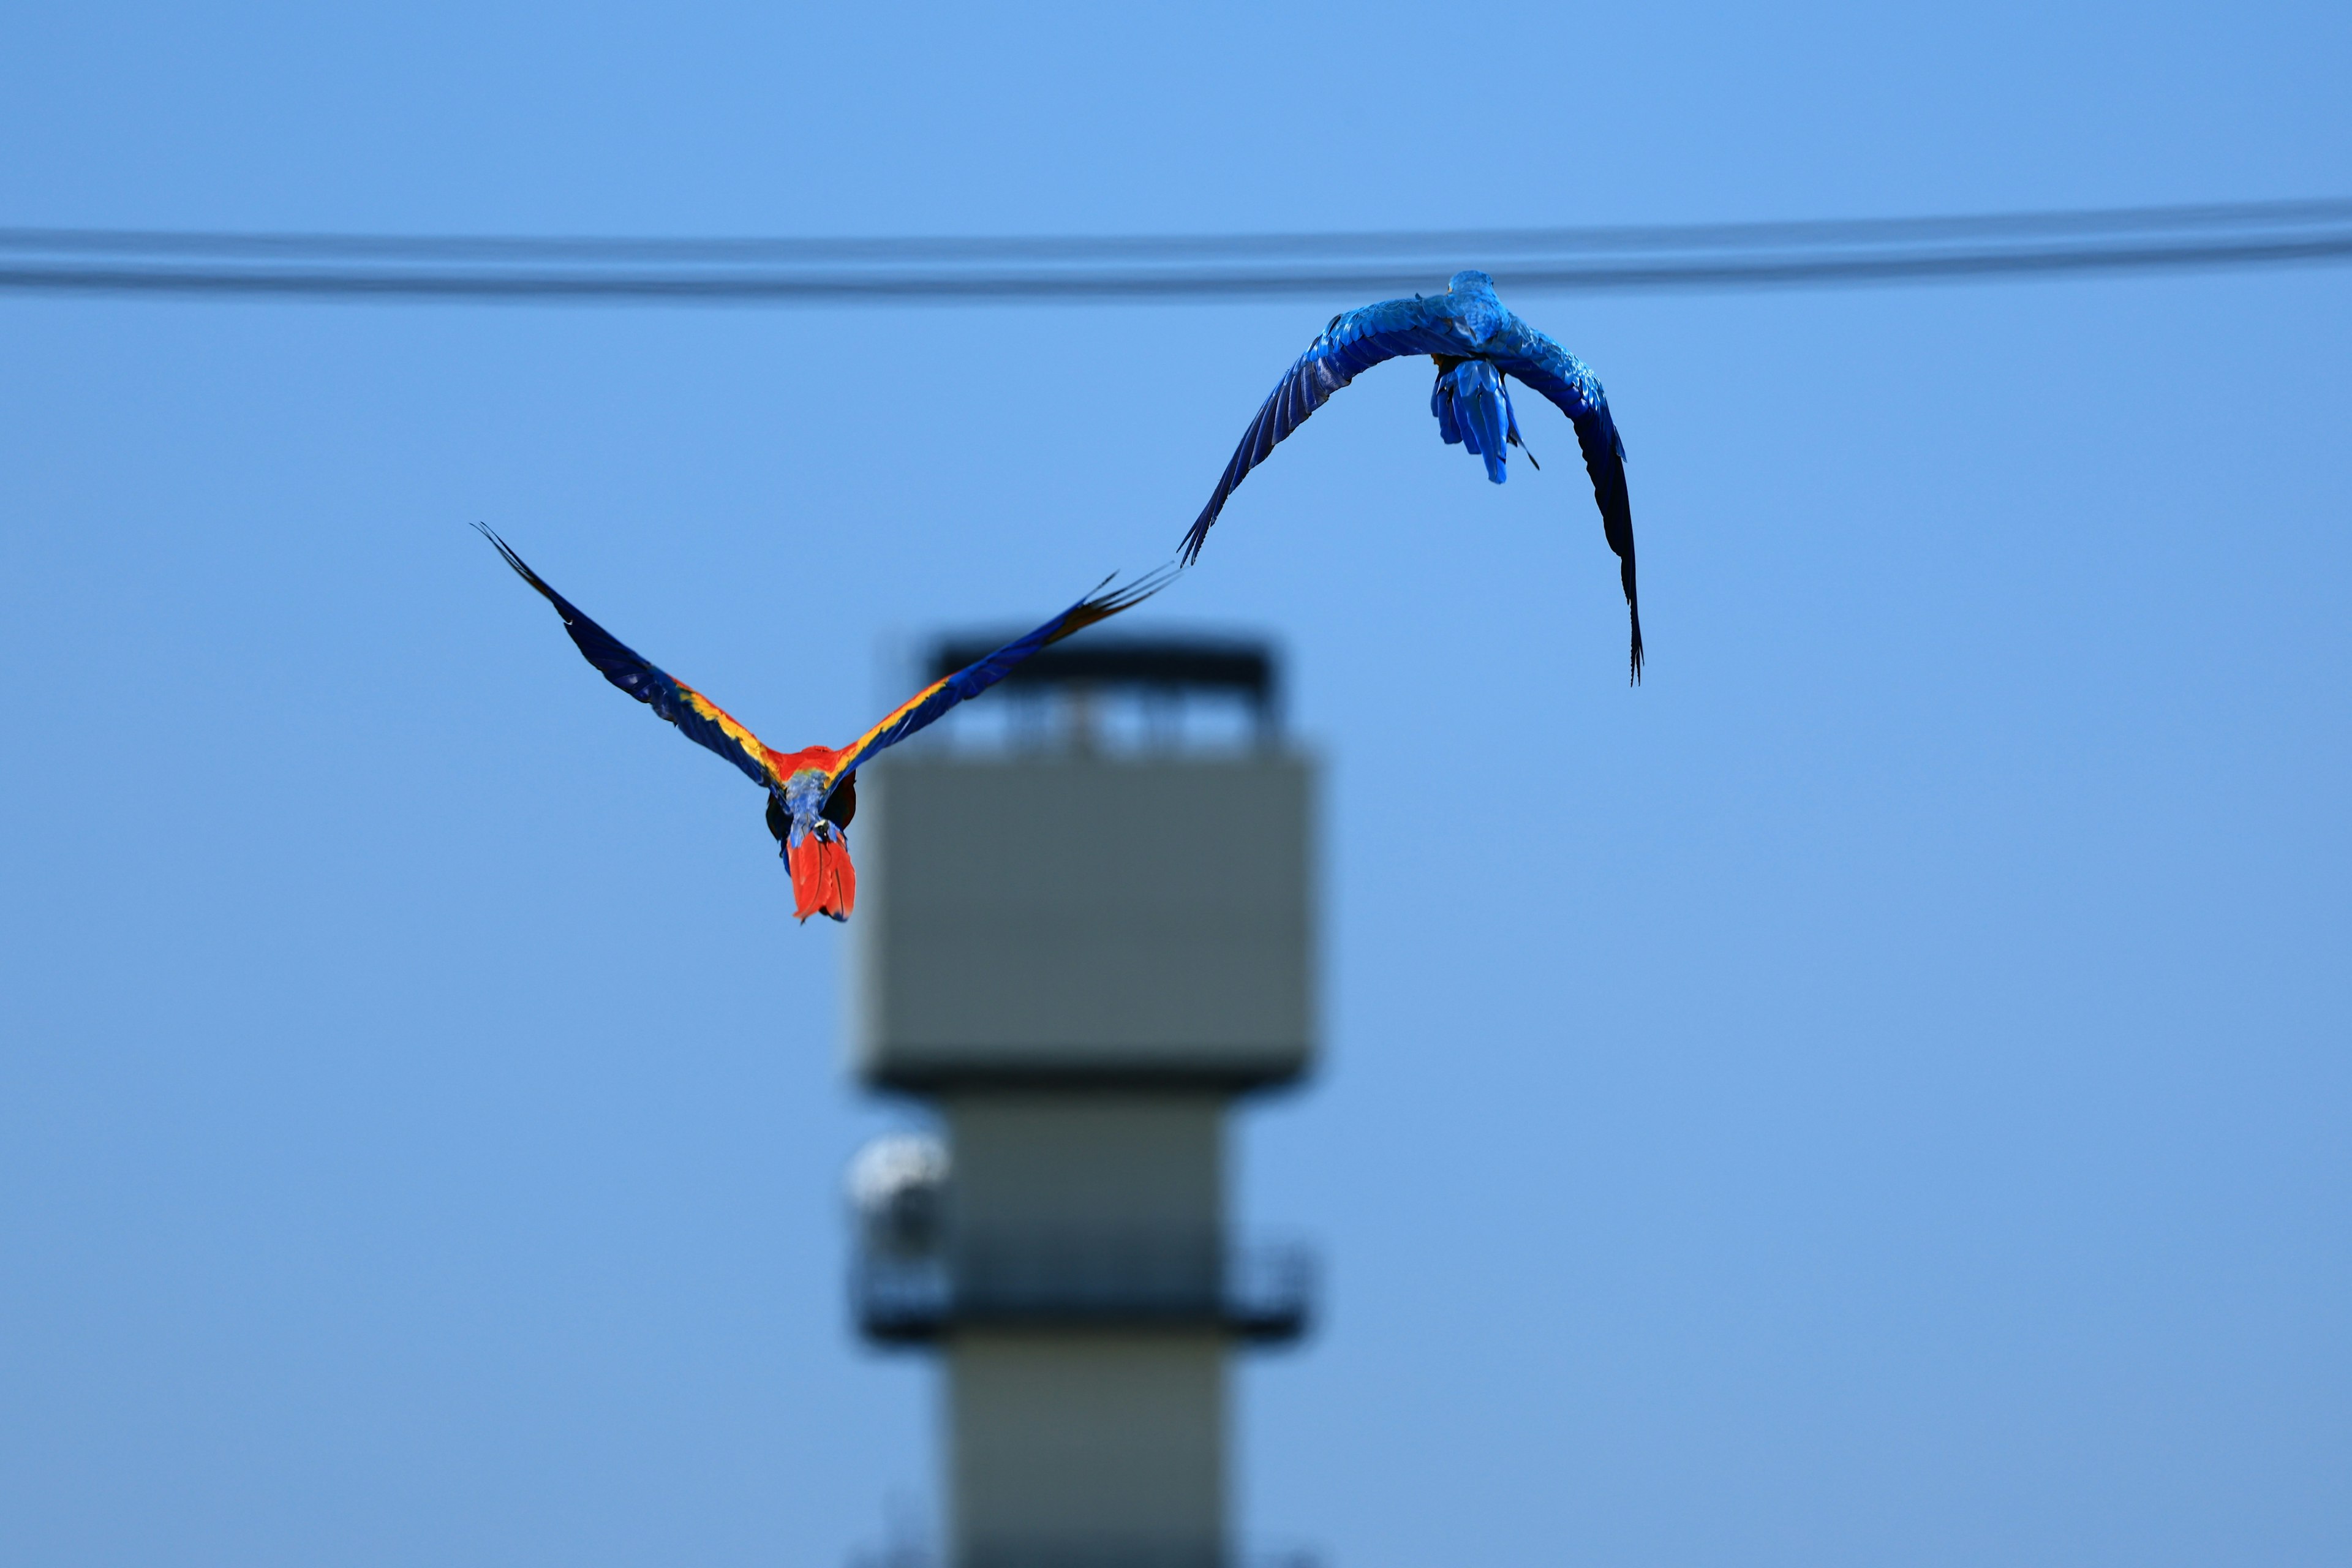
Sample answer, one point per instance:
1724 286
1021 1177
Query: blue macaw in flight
1476 343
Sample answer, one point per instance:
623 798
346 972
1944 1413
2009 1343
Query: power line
2106 221
985 269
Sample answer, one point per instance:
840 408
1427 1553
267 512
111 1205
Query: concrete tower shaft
1082 958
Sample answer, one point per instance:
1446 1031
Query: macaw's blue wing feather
1604 459
697 717
927 706
1560 376
1351 344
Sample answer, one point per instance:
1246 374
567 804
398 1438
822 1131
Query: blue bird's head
1470 280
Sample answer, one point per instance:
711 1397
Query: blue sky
1876 1093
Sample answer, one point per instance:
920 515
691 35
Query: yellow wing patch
858 748
744 741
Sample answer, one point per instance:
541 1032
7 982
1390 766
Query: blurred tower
1082 951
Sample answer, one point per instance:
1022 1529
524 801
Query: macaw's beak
823 881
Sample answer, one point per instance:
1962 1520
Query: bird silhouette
812 792
1477 343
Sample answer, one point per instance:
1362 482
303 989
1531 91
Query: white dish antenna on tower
898 1185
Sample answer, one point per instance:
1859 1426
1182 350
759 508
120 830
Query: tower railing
1261 1292
1104 1554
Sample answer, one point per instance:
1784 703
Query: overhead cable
1013 269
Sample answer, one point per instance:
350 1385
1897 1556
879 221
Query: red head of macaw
808 816
812 792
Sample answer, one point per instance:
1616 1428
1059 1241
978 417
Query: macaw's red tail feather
823 881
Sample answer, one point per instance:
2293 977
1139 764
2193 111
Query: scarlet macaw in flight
812 792
1476 343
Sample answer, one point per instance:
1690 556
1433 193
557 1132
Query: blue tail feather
1441 403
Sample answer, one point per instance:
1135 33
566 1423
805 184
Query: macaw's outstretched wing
699 719
933 700
1351 344
1560 376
